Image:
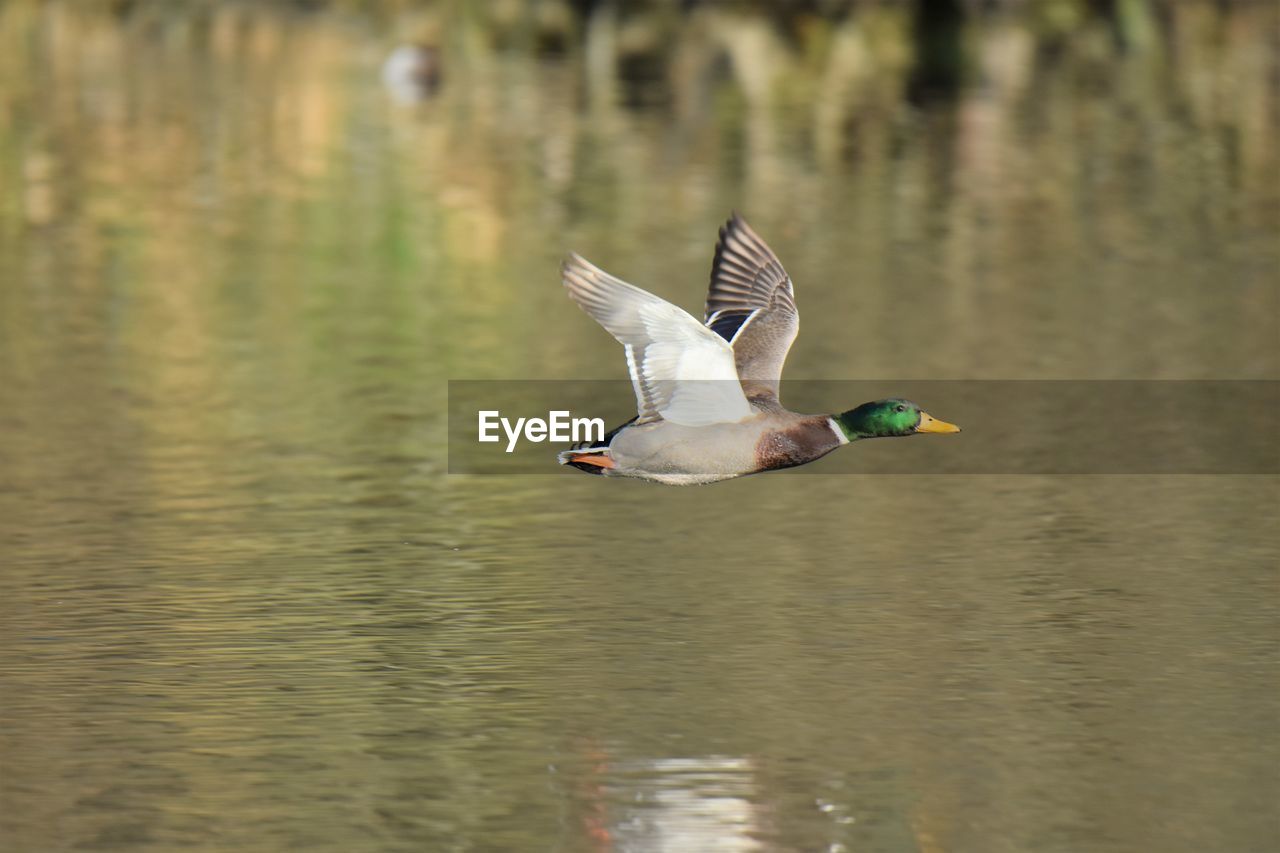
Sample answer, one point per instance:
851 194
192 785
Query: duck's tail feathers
593 460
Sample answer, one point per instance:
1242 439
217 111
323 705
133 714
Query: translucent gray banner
1009 427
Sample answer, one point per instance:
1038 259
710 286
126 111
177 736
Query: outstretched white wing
681 370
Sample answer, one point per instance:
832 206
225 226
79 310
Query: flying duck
707 400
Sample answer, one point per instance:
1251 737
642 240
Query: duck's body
707 393
680 455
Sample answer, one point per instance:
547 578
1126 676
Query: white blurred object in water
412 72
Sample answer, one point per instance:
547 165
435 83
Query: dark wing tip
736 225
736 222
745 273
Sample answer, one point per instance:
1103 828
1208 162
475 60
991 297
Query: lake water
244 607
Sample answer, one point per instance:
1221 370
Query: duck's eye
900 409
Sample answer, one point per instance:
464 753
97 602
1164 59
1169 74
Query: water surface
242 605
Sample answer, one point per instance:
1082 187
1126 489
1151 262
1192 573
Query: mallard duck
707 398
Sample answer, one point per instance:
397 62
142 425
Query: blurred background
243 246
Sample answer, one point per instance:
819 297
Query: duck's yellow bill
928 423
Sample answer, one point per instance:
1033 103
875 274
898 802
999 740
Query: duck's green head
888 418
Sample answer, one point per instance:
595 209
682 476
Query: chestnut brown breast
808 440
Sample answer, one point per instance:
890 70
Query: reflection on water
702 803
243 607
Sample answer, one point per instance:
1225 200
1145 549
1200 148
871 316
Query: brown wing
751 304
